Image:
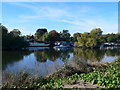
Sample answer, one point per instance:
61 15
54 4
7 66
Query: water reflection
53 55
112 52
9 57
89 54
45 61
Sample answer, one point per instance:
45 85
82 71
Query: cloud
79 21
72 22
29 17
40 11
52 12
88 24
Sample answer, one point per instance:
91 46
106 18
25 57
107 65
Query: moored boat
38 44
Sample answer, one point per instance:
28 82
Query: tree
55 36
65 35
91 42
9 41
15 32
39 33
86 42
111 38
46 37
102 39
96 31
82 41
3 30
85 34
75 35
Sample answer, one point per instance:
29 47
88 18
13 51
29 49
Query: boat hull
39 45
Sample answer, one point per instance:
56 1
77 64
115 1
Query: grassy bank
107 75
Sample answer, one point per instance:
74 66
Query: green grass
109 77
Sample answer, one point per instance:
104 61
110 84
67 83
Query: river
44 61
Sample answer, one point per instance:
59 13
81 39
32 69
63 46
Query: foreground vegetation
107 76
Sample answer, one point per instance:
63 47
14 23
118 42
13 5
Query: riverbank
108 76
102 75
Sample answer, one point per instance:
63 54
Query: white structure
38 44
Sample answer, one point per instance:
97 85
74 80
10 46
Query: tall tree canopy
40 32
75 35
9 41
55 36
96 31
65 35
15 32
3 30
46 37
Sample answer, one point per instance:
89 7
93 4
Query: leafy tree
5 37
86 42
75 35
118 36
96 31
91 42
86 34
39 33
65 35
110 39
82 41
9 41
55 36
3 30
102 39
46 37
15 32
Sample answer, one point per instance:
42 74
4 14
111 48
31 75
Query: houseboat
36 44
63 44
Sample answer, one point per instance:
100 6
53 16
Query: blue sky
73 16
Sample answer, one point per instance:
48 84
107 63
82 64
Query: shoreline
61 79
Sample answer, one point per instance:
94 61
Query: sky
60 0
73 16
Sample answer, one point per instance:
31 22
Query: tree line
94 38
50 37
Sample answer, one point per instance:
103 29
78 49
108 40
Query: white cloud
86 25
74 21
52 12
28 17
39 11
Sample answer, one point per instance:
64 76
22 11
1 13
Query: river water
43 61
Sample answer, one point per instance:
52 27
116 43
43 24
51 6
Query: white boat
38 44
62 46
